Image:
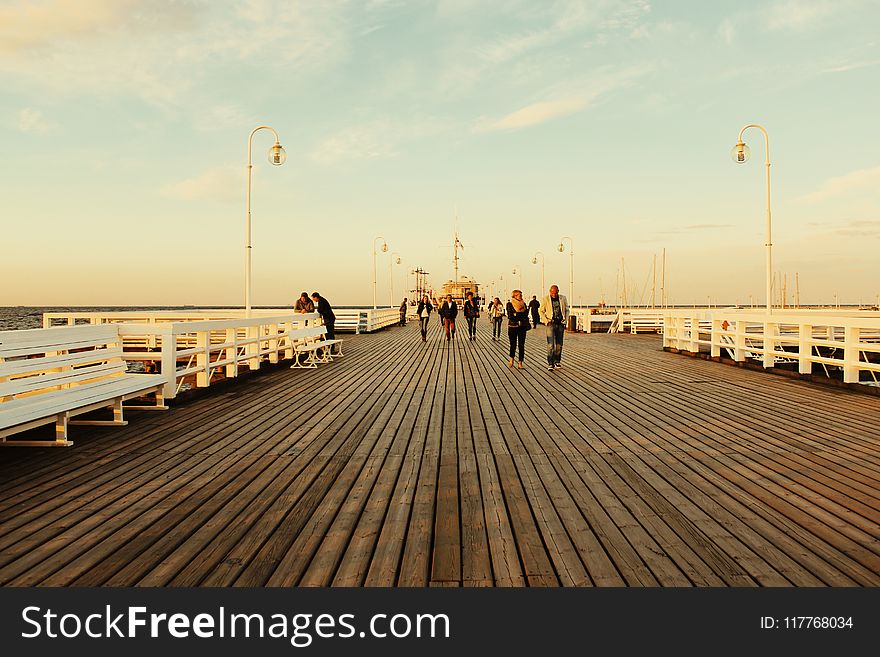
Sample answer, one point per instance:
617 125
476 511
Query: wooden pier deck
411 464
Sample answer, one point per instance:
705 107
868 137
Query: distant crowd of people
552 312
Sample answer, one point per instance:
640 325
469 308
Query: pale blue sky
124 124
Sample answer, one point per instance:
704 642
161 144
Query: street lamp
740 154
384 250
393 260
535 262
277 157
561 248
518 270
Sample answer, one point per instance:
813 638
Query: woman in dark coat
517 326
424 311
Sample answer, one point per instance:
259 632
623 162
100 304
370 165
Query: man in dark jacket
322 307
471 312
449 311
403 312
534 305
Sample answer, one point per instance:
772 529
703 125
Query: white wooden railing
207 348
361 320
622 320
837 341
357 320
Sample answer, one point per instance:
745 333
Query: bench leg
117 421
307 364
160 403
61 440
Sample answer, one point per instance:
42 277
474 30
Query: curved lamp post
740 155
518 270
277 157
384 250
393 260
535 262
561 248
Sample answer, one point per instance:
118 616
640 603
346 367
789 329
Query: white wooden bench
310 341
51 375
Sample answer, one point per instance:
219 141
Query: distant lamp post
384 250
535 262
561 248
277 157
393 260
518 271
740 154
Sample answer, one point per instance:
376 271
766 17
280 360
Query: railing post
203 359
288 350
253 347
715 339
805 349
769 344
169 361
851 338
231 352
273 343
694 346
739 341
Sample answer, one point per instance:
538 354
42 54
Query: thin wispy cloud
854 181
161 51
547 26
860 228
26 25
373 140
534 114
546 110
32 121
363 142
218 185
852 66
802 15
727 31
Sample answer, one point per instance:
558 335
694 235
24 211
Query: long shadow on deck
416 464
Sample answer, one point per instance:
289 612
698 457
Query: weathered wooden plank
408 463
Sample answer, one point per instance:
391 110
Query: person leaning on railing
323 308
403 312
304 304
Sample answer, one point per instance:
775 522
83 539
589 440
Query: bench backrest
308 333
41 360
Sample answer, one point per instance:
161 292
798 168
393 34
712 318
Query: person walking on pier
534 304
424 310
304 304
554 313
322 307
496 316
403 312
471 313
449 311
517 326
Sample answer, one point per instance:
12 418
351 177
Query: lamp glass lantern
740 153
277 155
